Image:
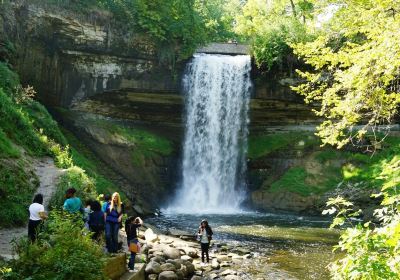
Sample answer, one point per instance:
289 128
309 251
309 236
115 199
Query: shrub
63 251
77 178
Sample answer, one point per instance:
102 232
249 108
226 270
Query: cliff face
98 71
69 58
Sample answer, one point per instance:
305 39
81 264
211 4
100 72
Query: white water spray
217 89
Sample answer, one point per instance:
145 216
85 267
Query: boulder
187 258
158 259
172 253
168 267
176 263
167 275
195 277
152 276
215 264
153 268
180 275
189 267
150 236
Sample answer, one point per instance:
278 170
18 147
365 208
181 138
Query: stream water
283 246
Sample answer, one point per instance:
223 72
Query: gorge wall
107 85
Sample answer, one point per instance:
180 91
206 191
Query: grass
298 180
85 158
262 145
18 184
7 148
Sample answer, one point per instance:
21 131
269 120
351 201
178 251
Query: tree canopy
356 61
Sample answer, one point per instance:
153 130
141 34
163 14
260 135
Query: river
283 246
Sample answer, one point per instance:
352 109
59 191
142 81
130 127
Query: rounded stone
172 253
153 268
168 267
167 275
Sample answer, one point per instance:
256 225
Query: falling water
217 89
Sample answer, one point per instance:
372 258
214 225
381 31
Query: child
131 227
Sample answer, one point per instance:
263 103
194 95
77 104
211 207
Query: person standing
205 233
72 204
131 227
107 200
36 216
113 217
96 220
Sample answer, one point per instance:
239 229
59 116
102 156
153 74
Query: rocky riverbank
178 256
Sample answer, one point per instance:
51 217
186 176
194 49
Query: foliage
356 70
17 185
264 144
372 252
74 177
272 27
64 251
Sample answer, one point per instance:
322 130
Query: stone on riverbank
167 275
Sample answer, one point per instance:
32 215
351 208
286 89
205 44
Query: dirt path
48 174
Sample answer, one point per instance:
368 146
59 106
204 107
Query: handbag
134 247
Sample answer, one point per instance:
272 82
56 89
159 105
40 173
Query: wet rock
168 267
172 253
153 268
196 277
167 275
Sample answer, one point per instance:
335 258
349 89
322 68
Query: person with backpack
205 234
131 227
36 216
96 220
113 218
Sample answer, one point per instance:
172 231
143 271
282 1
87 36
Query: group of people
106 217
98 218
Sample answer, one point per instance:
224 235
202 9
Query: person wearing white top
36 216
205 233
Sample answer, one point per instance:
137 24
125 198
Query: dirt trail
48 174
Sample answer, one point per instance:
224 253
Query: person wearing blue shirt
72 204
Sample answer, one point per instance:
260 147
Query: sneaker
132 270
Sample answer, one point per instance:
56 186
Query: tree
356 70
271 27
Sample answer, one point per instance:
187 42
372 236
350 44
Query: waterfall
217 92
